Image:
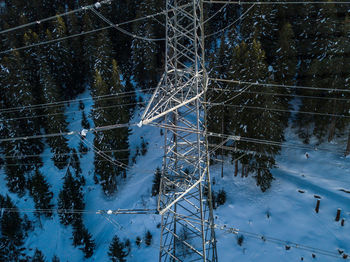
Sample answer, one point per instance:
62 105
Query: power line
79 211
286 243
238 19
71 112
73 101
96 129
277 110
280 94
246 139
123 30
273 2
88 32
280 85
55 16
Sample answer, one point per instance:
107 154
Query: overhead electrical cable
71 112
97 4
88 32
234 22
70 133
72 101
277 110
274 2
281 85
279 94
123 30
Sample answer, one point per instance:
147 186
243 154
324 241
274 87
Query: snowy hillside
285 212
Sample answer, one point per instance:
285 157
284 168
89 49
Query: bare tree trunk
236 167
347 151
243 168
332 124
246 171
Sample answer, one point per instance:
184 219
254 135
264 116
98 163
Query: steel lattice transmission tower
187 231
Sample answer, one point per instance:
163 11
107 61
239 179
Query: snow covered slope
284 213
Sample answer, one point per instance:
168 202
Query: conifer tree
70 198
146 54
117 250
248 64
11 230
55 120
17 92
39 189
107 114
156 182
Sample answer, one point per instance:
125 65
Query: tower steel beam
178 105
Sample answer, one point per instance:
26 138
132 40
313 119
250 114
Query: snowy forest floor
282 212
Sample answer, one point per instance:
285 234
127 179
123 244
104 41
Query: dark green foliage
156 182
11 237
147 55
240 240
55 121
107 81
16 91
70 198
38 256
39 189
88 244
117 250
84 122
82 237
138 241
148 238
143 147
221 198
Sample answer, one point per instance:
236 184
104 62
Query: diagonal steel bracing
178 105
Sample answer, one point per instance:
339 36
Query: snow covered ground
283 212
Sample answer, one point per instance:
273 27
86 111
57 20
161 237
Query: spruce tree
39 189
11 236
146 54
55 119
17 91
70 198
156 182
248 64
117 250
106 113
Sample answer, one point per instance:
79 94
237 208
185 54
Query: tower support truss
187 230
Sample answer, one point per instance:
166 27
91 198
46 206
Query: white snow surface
291 214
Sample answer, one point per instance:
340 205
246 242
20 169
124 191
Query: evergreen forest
269 57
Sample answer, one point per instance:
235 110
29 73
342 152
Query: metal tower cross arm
178 105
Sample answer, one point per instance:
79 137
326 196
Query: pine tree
146 54
117 250
55 120
156 182
148 238
55 259
70 198
248 64
88 244
84 122
11 236
39 189
58 57
17 92
106 114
